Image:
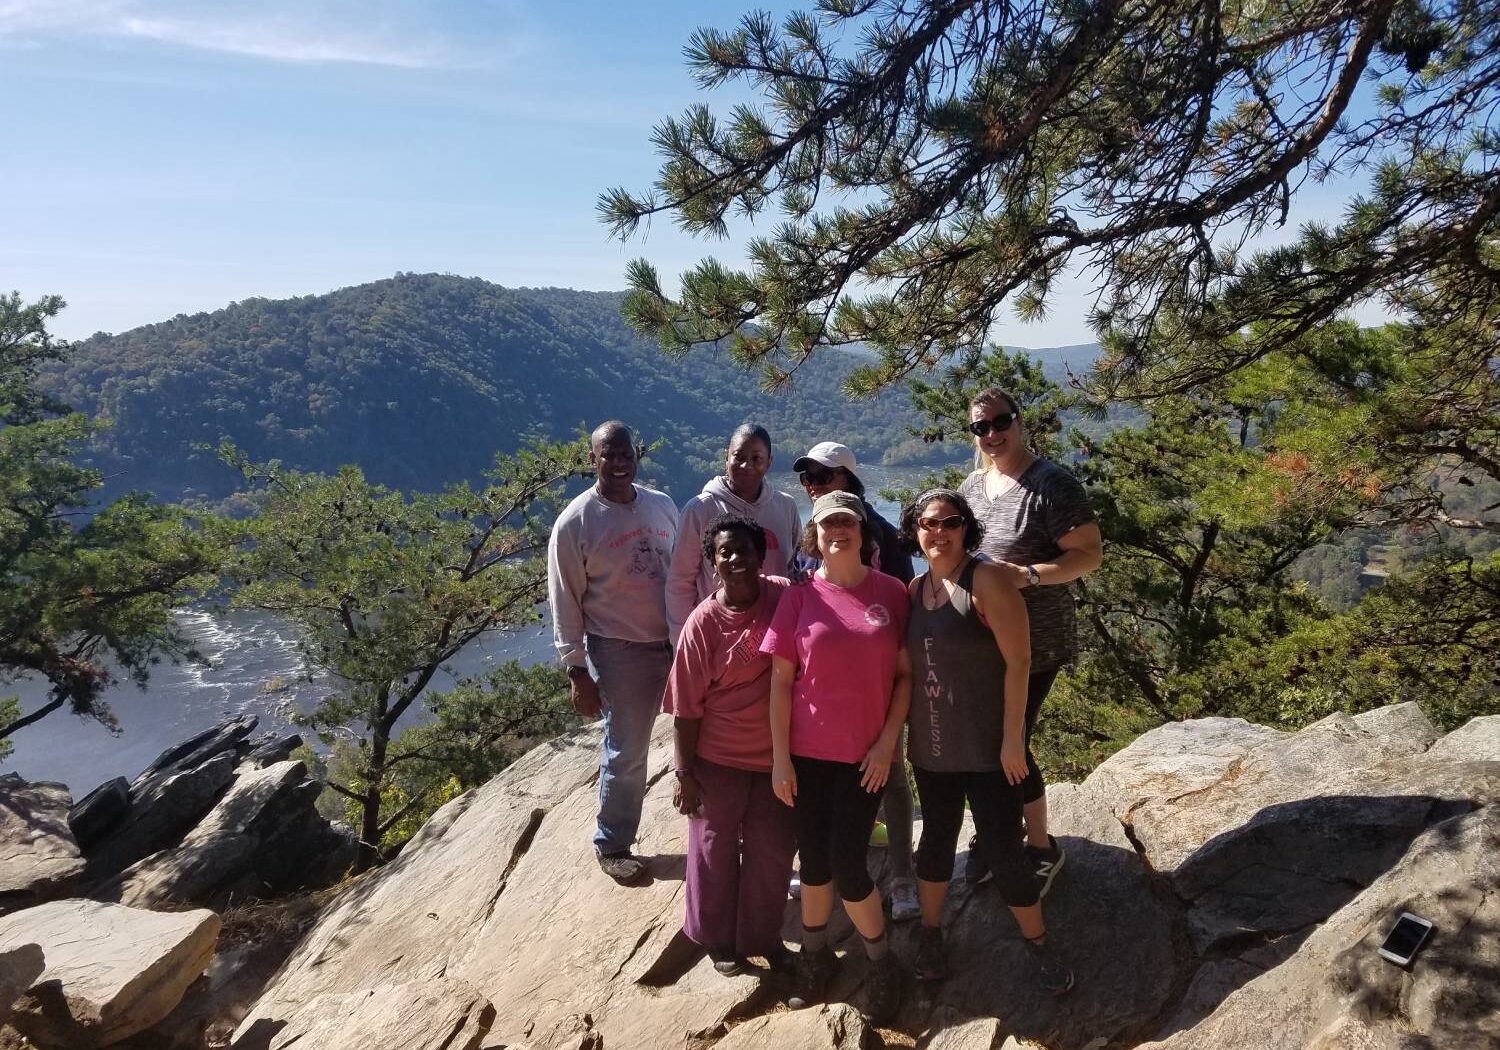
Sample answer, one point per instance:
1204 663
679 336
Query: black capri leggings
834 819
1037 688
996 805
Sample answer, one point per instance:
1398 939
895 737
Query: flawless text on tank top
958 684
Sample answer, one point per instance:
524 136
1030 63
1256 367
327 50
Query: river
253 666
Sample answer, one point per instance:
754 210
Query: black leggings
1037 688
834 819
996 805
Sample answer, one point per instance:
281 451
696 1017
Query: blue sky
167 157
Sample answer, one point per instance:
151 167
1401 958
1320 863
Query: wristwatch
574 670
681 773
1033 578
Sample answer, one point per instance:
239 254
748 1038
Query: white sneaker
904 903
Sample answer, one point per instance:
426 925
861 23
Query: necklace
945 578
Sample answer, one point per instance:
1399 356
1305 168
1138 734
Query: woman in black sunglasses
1040 529
970 647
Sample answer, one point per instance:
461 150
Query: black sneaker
812 973
977 871
883 990
726 962
1046 863
781 960
1055 978
932 964
624 867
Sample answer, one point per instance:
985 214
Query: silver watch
1033 578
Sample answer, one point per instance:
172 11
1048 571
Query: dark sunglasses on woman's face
952 521
982 427
816 476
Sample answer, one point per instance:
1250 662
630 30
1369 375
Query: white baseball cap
828 454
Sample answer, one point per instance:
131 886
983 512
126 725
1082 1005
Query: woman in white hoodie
740 490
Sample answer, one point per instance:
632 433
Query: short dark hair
855 485
608 429
973 527
751 430
809 542
734 523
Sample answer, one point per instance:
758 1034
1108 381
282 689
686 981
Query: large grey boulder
39 858
1337 993
1476 741
258 840
111 971
96 813
20 966
161 815
226 738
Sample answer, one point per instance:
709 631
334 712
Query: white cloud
375 32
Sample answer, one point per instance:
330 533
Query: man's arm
567 583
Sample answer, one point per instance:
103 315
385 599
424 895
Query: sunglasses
817 475
952 521
982 427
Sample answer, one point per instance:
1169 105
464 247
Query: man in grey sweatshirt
606 582
740 490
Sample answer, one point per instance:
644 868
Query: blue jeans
632 678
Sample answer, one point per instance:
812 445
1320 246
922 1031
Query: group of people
799 663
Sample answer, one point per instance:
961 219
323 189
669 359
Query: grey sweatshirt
607 569
692 577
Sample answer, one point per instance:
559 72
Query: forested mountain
421 378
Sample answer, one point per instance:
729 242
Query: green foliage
385 589
939 161
479 728
419 378
82 584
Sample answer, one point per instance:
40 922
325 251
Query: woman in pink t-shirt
840 688
740 838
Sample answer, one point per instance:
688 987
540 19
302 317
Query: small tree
386 589
86 592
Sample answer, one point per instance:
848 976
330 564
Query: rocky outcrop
437 1014
111 971
1336 993
1201 860
221 816
20 966
39 858
262 838
833 1027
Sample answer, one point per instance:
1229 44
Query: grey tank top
958 684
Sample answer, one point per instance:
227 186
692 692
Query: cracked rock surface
1216 871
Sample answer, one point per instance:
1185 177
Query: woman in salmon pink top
840 688
740 838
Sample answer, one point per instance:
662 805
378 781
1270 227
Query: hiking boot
781 960
624 867
812 973
904 903
932 964
1046 863
977 871
726 962
794 888
883 990
1055 978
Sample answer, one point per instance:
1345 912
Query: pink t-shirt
720 675
844 642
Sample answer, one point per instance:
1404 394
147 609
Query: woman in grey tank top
969 641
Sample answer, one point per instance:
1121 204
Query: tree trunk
368 854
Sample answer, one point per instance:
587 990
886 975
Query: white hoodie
692 577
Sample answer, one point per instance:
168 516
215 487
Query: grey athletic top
1022 526
958 684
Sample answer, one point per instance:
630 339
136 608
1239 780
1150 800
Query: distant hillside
420 378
